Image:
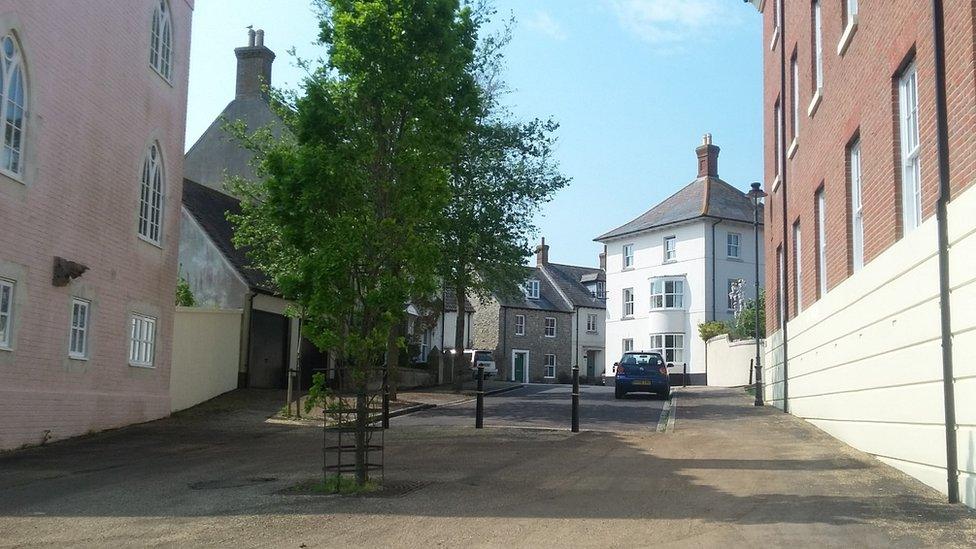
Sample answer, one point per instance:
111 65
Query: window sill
548 377
16 177
159 74
625 269
663 309
150 242
792 150
669 261
815 102
775 40
78 357
6 348
142 366
848 36
627 317
588 331
776 183
736 259
520 335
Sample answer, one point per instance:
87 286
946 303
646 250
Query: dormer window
532 289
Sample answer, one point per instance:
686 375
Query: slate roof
450 302
209 208
549 298
569 278
704 197
555 282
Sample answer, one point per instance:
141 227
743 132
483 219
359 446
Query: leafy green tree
184 295
503 174
743 326
348 207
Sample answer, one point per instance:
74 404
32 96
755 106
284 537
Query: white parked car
474 358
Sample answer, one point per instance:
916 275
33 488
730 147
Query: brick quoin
859 98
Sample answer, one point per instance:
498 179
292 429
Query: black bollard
576 395
386 397
479 414
684 377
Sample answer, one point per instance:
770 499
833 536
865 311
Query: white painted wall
729 362
206 353
865 361
694 265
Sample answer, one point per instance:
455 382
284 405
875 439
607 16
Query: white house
672 268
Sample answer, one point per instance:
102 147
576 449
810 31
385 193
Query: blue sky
633 83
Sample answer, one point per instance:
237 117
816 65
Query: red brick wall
94 106
859 97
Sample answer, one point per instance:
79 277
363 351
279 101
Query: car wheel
666 395
617 393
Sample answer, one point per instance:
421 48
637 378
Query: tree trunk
460 373
361 422
393 359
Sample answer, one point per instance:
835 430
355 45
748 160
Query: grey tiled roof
209 208
703 197
569 278
549 298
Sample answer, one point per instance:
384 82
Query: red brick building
852 270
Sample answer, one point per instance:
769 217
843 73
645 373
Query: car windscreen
641 360
483 356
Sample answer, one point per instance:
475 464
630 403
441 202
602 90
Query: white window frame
151 196
6 312
550 367
857 207
520 325
670 248
601 289
142 340
777 8
79 329
13 108
627 344
821 242
778 122
670 345
667 293
818 73
797 267
532 288
161 41
733 245
550 326
628 251
850 26
628 301
781 287
911 169
591 322
795 102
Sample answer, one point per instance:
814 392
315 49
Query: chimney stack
253 66
542 254
603 258
707 157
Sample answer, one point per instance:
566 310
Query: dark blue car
640 372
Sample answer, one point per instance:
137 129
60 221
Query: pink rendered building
93 110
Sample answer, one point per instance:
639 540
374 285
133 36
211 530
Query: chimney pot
253 66
707 157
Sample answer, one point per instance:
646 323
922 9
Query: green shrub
708 330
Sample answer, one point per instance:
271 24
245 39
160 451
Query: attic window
532 289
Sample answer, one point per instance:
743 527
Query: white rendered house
672 268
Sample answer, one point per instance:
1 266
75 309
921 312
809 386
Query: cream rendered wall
649 263
590 341
865 361
206 353
729 362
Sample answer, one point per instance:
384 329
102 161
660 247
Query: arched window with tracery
151 196
13 111
161 46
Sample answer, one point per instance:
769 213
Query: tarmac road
550 407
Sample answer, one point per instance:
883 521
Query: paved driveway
550 407
729 475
